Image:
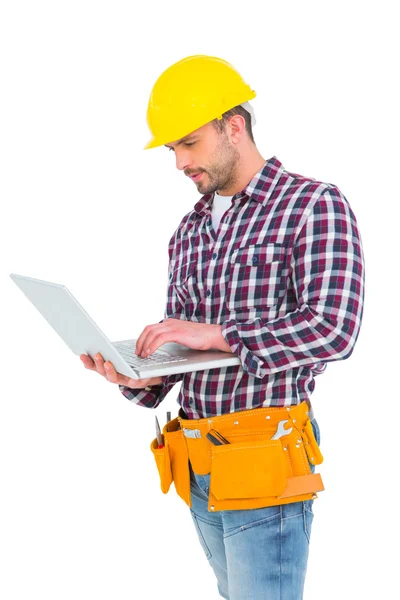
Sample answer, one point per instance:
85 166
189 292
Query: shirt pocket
183 280
256 277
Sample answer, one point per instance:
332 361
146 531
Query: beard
223 172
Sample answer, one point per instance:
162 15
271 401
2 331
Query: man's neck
247 173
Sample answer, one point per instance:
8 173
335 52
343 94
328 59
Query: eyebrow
188 137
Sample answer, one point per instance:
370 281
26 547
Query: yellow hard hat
191 93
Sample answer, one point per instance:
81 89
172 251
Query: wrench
281 430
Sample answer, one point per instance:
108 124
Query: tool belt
252 470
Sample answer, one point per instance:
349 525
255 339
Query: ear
236 128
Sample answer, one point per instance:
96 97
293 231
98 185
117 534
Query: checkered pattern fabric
283 275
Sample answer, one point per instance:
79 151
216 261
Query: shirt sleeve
152 398
327 271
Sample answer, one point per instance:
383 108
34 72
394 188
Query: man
268 265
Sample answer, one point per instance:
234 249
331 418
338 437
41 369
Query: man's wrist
219 341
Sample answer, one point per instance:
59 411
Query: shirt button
214 255
191 401
208 292
209 222
255 259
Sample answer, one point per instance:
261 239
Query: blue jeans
257 554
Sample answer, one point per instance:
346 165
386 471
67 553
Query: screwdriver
159 435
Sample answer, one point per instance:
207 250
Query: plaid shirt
284 276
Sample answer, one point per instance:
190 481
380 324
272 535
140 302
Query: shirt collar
259 188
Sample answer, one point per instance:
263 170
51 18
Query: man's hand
106 369
198 336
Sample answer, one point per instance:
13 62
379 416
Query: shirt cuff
250 363
142 397
151 398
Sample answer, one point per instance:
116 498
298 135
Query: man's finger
87 361
114 377
99 360
155 342
141 338
111 373
142 341
152 338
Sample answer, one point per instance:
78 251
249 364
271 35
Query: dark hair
236 110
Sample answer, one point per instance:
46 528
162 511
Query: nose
183 160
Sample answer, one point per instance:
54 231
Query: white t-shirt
219 206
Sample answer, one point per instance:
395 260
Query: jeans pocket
196 489
200 535
308 517
317 435
317 431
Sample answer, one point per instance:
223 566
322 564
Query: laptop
81 334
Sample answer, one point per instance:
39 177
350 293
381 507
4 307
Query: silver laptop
81 334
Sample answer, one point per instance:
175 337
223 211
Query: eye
185 144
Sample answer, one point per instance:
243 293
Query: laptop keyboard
157 358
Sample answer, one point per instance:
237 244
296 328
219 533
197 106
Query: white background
82 204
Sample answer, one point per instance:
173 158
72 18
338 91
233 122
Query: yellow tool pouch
253 470
237 467
163 463
173 460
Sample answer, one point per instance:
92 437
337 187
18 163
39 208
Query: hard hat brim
156 141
